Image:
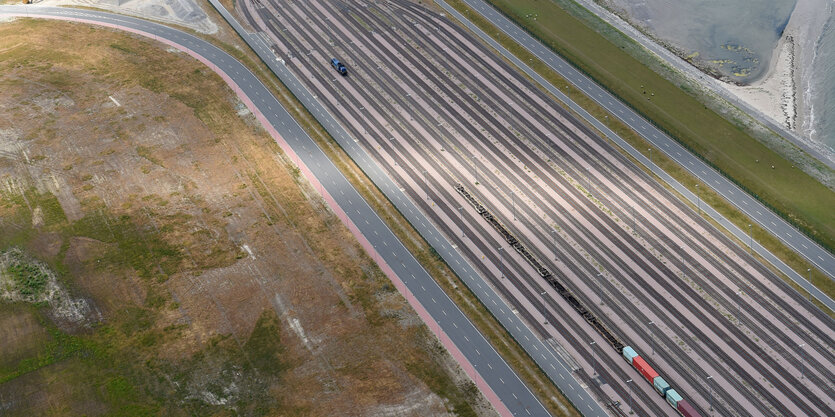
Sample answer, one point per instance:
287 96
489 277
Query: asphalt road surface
418 100
803 245
491 368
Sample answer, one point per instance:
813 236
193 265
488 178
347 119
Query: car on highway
338 66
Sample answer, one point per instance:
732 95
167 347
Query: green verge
790 192
724 207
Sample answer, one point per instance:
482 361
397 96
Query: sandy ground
778 96
808 21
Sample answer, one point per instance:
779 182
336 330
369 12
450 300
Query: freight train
661 386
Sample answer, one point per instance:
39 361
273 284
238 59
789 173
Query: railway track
427 71
510 296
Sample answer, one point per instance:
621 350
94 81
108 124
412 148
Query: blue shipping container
629 354
660 385
673 398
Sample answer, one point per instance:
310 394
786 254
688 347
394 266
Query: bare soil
21 334
139 177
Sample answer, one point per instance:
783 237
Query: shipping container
629 353
687 410
643 367
660 385
673 398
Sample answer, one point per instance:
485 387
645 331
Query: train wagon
629 354
643 367
687 410
673 398
338 66
660 385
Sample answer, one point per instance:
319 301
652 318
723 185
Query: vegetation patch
122 48
439 383
29 280
146 252
145 152
264 349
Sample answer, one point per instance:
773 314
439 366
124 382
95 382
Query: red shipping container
687 410
643 367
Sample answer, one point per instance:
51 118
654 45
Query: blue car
338 66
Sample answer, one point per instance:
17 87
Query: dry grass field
203 275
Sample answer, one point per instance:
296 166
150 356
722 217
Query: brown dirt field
151 190
21 334
112 294
49 391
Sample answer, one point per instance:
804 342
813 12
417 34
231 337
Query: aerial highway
788 234
498 165
490 372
